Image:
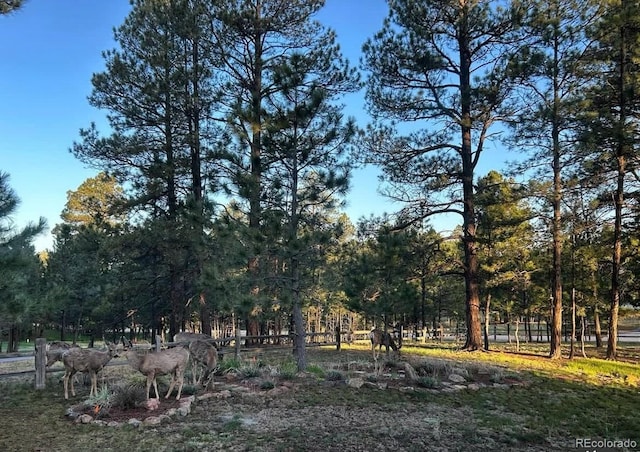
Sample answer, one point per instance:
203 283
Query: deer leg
171 385
180 378
65 380
194 370
94 384
73 390
150 380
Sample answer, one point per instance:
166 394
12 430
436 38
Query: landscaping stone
152 421
456 378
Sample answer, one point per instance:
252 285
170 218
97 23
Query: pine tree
157 89
439 65
611 124
547 69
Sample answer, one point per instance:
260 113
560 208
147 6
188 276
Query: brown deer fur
172 361
378 339
85 360
205 355
186 337
55 350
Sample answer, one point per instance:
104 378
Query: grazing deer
55 350
378 339
170 361
203 354
187 337
86 360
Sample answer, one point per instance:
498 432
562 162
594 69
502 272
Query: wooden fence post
41 362
158 342
237 343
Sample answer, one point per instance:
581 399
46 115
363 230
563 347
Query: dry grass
315 412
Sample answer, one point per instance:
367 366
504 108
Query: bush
316 370
288 370
128 395
334 375
428 382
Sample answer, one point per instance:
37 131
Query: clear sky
50 49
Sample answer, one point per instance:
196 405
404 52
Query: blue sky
50 50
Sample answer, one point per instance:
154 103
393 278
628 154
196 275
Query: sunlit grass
533 358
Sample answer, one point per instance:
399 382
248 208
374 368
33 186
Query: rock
457 378
460 371
113 424
152 421
84 419
277 391
355 383
134 422
71 413
151 404
410 372
474 386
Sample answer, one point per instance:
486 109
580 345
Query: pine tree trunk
487 318
598 328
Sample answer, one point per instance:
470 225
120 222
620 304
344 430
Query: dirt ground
361 409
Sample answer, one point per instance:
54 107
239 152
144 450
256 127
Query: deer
203 354
378 339
170 361
86 360
55 350
186 337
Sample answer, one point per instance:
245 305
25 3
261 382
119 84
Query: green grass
558 401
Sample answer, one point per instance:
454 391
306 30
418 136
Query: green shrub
334 375
128 395
428 382
316 370
288 370
267 384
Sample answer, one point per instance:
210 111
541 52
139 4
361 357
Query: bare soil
493 409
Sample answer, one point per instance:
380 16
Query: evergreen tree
260 47
547 70
611 128
157 88
9 6
505 242
19 266
440 65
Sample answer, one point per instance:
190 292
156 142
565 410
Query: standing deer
205 355
86 360
55 350
170 361
186 337
378 339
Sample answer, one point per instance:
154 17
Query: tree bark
598 328
474 336
487 318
